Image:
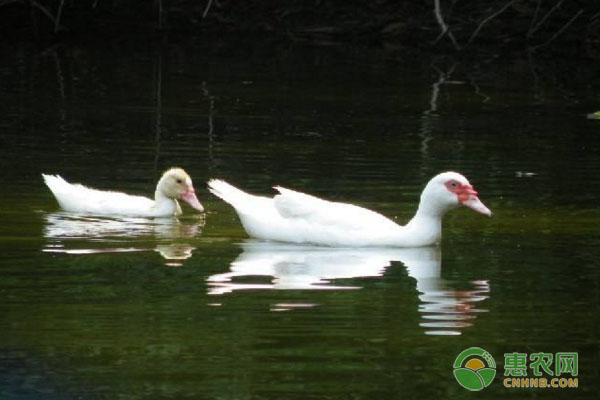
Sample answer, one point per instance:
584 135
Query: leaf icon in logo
469 379
487 374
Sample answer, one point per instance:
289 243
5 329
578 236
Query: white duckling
175 184
296 217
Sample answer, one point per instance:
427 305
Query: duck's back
314 220
297 205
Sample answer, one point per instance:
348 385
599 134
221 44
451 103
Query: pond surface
119 308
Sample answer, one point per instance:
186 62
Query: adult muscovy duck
175 184
296 217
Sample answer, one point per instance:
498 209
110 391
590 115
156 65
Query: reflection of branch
160 12
535 15
428 116
445 30
435 92
435 87
211 110
478 91
158 109
45 11
594 21
537 93
205 13
60 78
58 15
561 30
488 19
537 26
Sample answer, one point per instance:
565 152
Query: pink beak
189 196
468 197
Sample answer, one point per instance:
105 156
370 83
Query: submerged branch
58 15
205 13
445 29
539 24
160 13
535 16
560 31
44 11
488 19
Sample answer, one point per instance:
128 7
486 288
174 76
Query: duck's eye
453 184
179 181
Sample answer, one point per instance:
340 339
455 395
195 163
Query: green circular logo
474 368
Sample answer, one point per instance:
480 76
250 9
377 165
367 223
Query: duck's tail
227 192
66 194
56 184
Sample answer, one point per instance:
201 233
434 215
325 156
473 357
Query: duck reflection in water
444 310
80 234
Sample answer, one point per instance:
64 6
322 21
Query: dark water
140 309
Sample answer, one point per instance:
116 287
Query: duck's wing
318 212
80 198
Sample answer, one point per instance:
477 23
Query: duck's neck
425 228
430 209
164 205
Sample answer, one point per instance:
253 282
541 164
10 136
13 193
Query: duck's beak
468 197
189 196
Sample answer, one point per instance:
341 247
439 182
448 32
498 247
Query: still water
120 308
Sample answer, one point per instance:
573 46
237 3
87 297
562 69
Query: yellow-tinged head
177 184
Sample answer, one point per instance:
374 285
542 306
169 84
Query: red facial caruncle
467 196
463 192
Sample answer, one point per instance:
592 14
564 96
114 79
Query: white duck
300 218
173 185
